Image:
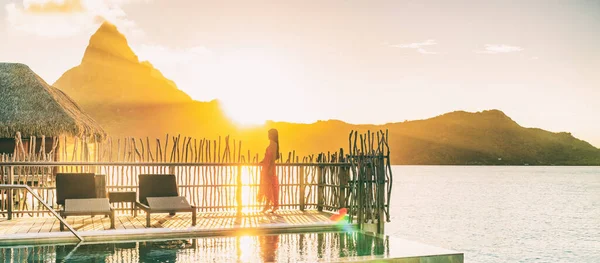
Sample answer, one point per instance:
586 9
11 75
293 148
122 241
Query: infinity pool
305 247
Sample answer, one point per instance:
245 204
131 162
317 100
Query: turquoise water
500 214
308 247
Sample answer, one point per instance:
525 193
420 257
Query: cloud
418 46
496 49
64 18
428 42
423 51
67 6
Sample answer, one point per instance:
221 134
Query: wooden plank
135 223
55 226
47 226
140 220
6 225
20 224
36 226
206 221
120 222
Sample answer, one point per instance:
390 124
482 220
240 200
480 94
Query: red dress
268 189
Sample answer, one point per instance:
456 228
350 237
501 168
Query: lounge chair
158 193
76 193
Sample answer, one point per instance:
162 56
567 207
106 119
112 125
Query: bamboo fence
215 175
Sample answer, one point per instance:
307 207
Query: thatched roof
30 106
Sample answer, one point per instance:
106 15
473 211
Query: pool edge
156 233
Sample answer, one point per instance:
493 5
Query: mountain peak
106 25
111 72
108 43
493 113
492 117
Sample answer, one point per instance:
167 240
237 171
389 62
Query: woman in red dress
268 190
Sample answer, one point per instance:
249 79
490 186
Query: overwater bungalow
38 113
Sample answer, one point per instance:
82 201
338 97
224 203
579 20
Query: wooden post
343 180
320 188
238 189
380 196
361 195
11 178
302 188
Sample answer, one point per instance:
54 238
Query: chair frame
169 188
80 193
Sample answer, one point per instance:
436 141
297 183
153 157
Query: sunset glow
252 80
357 62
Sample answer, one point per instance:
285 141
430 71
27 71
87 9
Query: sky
356 61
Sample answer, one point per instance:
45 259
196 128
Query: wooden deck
129 227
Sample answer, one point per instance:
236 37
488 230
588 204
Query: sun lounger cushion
93 205
168 203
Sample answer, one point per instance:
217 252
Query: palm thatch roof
30 106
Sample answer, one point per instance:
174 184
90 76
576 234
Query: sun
252 85
245 118
252 82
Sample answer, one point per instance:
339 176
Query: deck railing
212 187
212 180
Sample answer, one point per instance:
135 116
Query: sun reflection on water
305 247
247 249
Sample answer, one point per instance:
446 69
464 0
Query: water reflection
73 253
268 247
308 247
165 251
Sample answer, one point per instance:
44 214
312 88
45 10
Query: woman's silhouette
268 190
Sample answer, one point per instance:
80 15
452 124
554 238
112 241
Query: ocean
500 213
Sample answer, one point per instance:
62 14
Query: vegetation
457 138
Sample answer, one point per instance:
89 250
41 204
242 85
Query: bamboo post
380 195
320 188
343 183
302 188
360 197
11 178
238 189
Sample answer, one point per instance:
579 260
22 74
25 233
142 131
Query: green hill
488 137
458 138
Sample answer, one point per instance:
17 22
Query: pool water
305 247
